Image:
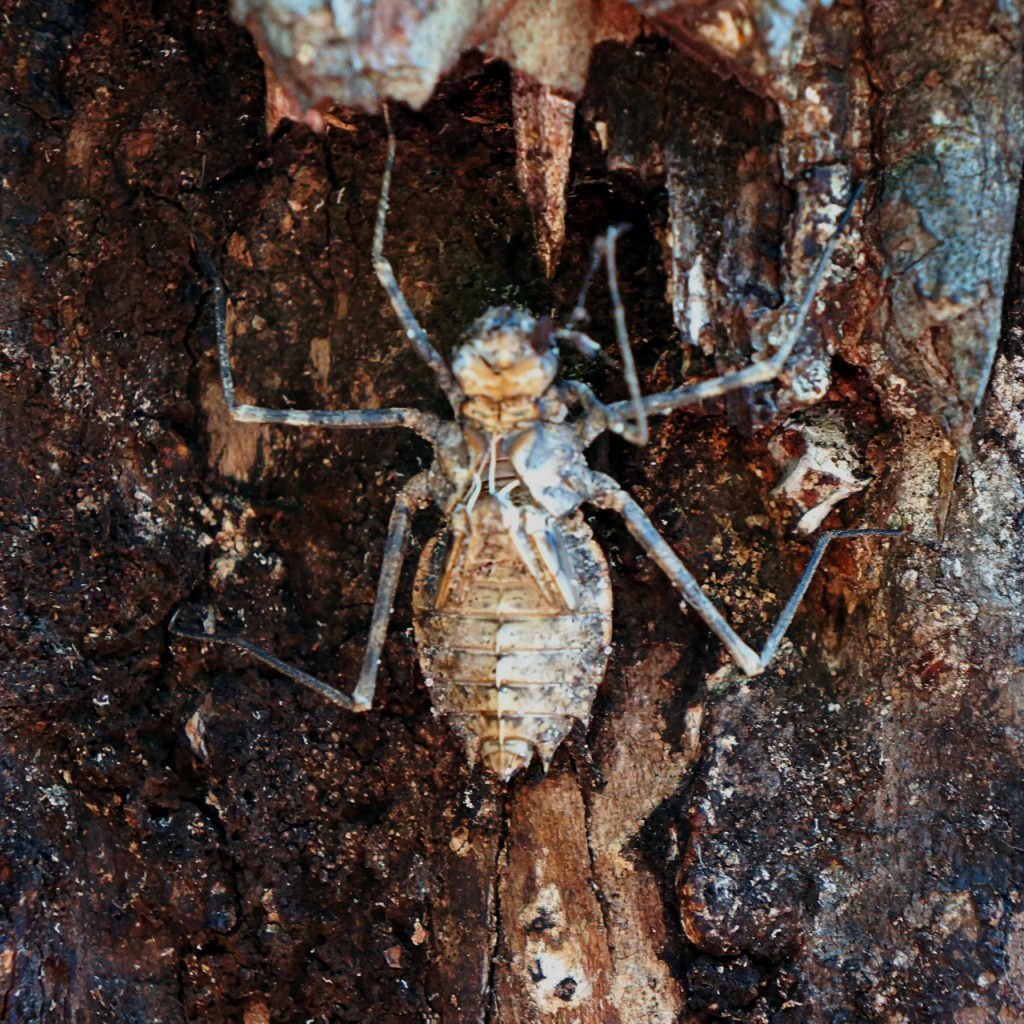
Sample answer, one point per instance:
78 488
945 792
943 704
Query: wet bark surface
189 837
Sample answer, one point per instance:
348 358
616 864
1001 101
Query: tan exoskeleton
512 600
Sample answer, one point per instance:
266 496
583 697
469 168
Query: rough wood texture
188 838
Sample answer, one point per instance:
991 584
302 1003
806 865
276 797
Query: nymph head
506 354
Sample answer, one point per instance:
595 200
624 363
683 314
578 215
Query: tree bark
188 837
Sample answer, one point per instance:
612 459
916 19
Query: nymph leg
414 495
610 495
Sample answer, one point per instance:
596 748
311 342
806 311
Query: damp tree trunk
188 837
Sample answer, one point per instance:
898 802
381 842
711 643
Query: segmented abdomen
508 661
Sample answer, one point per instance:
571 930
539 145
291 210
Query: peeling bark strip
553 960
185 839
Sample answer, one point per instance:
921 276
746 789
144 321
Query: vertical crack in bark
491 991
595 884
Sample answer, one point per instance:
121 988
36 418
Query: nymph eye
540 336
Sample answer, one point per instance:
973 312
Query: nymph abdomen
509 662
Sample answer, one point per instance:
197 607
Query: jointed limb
414 495
423 423
597 416
629 418
343 700
756 373
415 334
668 561
411 497
776 635
750 661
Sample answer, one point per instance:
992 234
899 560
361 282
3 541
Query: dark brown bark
187 837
